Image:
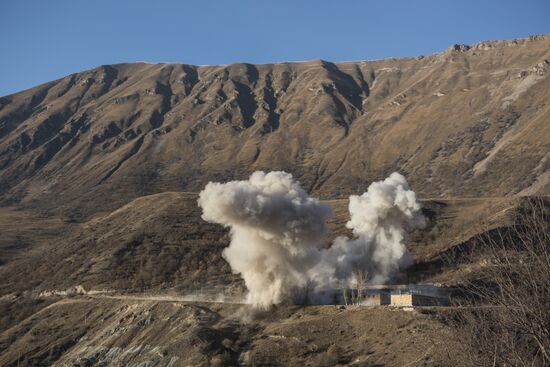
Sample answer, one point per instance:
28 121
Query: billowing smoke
379 220
278 233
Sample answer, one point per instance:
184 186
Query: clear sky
42 40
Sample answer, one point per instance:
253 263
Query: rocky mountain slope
101 239
469 121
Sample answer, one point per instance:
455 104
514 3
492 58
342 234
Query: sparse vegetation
89 161
507 321
355 294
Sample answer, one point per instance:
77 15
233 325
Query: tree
344 288
508 321
360 280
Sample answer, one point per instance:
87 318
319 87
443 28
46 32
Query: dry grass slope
464 122
99 173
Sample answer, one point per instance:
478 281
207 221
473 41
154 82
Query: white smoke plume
278 232
379 219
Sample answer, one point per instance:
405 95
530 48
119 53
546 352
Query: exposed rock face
471 121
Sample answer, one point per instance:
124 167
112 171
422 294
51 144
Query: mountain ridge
454 123
455 46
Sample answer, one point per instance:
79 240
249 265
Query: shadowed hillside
160 243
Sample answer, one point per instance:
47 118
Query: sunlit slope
469 121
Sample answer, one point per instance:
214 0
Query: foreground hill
131 332
150 252
470 121
160 243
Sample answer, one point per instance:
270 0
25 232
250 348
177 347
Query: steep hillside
154 242
470 121
160 243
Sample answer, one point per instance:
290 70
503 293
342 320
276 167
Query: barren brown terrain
93 331
467 122
159 242
119 290
102 243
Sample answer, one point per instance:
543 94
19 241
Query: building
376 297
420 295
393 295
408 299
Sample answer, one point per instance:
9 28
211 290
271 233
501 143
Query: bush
508 319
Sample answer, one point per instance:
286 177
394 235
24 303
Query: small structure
375 297
420 295
392 295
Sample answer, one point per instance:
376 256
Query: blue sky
44 40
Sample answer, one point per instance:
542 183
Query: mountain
471 121
102 244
